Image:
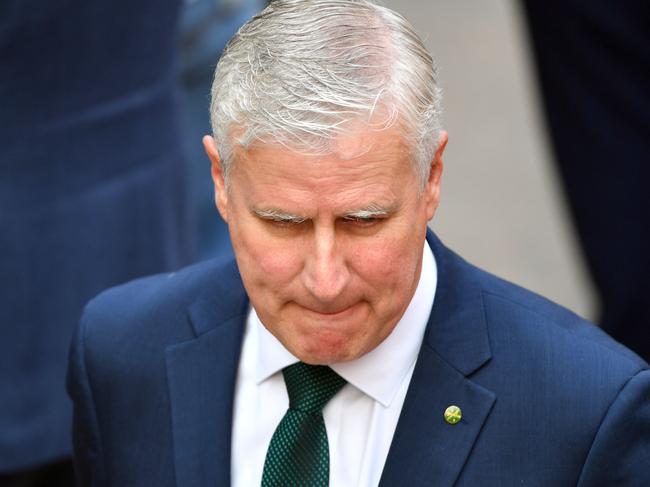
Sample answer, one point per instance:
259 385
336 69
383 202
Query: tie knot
310 387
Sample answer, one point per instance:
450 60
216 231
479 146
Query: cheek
263 260
388 265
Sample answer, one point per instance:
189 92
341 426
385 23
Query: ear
220 193
432 188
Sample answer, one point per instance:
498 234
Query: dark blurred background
102 180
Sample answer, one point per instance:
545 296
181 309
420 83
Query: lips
331 312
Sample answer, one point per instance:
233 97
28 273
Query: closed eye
364 220
285 222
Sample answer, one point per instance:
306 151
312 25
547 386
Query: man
401 363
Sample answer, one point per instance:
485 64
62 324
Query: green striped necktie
299 454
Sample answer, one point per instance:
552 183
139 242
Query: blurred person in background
86 200
593 61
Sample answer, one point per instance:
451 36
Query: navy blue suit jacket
91 190
547 399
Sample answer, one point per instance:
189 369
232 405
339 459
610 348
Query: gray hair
300 70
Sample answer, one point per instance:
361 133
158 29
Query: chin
324 358
327 349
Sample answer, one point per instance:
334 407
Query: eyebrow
369 212
278 216
365 213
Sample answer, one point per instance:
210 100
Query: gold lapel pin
453 414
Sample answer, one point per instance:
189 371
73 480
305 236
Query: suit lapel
201 377
426 450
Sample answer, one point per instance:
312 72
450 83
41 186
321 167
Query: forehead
363 164
368 169
359 149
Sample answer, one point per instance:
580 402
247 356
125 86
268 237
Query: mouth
332 313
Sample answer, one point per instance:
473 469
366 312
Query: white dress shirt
360 420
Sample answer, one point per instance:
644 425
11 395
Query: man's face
329 247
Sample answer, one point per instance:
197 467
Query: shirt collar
380 372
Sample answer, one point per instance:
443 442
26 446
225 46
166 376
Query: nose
326 273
